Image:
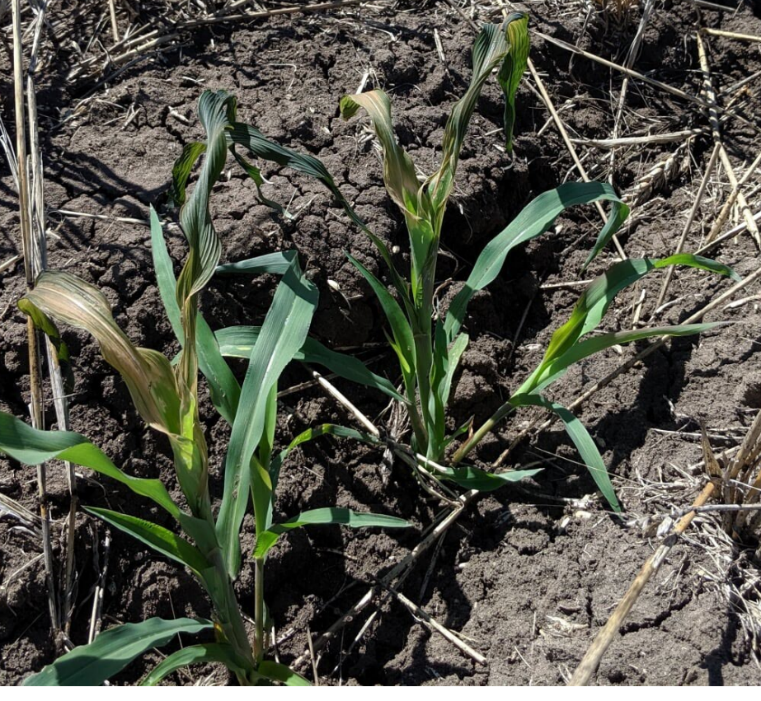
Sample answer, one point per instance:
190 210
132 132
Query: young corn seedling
428 346
165 394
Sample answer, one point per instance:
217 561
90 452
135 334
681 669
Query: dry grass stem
688 224
627 71
713 117
31 254
605 637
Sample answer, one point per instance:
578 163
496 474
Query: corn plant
428 345
166 396
429 348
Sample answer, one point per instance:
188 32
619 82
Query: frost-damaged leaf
216 110
147 374
534 220
157 537
513 68
112 651
282 335
195 654
581 439
31 446
398 171
325 517
404 188
505 47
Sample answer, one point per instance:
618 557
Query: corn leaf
593 304
315 432
194 654
181 170
545 375
157 537
581 439
260 146
505 48
31 446
238 342
223 387
398 170
46 325
147 374
513 68
331 515
404 344
445 362
276 672
282 335
112 651
272 263
216 110
256 175
473 478
535 219
403 185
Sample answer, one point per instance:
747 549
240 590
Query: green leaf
32 447
513 68
495 47
260 146
238 342
404 343
272 263
699 262
147 374
155 536
445 362
46 325
326 516
216 110
112 651
315 432
473 478
549 373
535 219
594 302
194 654
164 268
581 439
256 175
223 387
182 168
282 335
277 672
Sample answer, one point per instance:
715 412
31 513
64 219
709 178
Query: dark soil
527 580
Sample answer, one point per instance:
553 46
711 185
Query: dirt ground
528 576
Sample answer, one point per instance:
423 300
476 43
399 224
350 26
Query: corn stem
259 609
505 410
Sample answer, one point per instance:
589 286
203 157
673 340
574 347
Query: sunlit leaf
112 651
